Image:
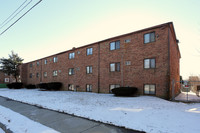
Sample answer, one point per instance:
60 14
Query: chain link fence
189 91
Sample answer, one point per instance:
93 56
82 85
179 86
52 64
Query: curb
2 126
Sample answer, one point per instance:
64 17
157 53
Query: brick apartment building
5 79
147 59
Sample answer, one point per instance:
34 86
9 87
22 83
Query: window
6 80
115 67
45 61
89 69
71 55
30 75
45 74
37 75
127 40
55 59
71 87
55 73
149 63
128 63
149 37
113 86
89 88
71 71
89 51
150 89
38 63
115 45
31 65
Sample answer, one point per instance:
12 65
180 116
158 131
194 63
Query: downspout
98 67
122 70
41 73
168 74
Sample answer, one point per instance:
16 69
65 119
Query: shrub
50 86
54 85
17 85
10 86
42 86
30 86
125 91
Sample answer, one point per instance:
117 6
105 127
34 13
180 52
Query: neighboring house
194 83
147 59
5 79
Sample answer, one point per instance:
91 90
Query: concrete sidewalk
61 122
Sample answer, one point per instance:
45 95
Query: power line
20 17
16 14
14 11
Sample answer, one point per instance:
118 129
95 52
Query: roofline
145 29
176 40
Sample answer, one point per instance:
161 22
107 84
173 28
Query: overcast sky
57 25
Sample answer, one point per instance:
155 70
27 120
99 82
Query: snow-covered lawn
190 96
1 131
20 124
144 113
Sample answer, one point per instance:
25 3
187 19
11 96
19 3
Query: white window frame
71 71
55 59
37 75
89 88
45 74
72 55
127 40
115 45
149 63
127 63
115 67
89 69
89 51
55 73
71 87
45 61
149 37
30 75
6 80
112 86
149 89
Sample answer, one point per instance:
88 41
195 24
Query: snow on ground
190 96
1 131
20 124
144 113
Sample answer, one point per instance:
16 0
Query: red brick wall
23 73
2 77
101 78
136 51
174 62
